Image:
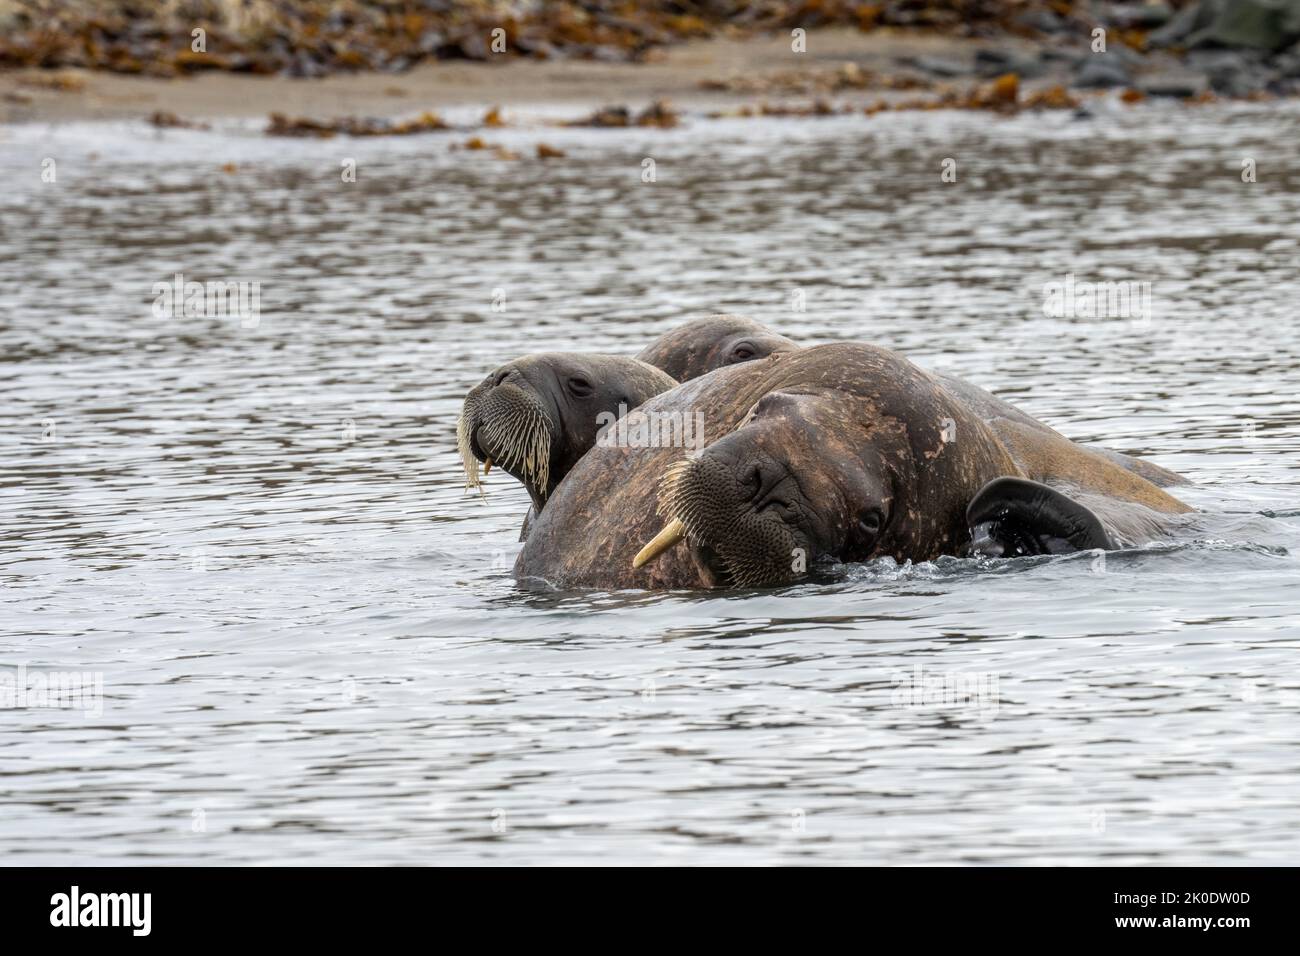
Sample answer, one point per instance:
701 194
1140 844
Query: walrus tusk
487 465
673 532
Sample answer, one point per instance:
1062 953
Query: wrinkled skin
845 452
537 416
713 342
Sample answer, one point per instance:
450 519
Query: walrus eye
580 387
743 352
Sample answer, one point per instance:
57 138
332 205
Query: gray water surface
312 650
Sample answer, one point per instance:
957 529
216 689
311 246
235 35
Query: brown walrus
713 342
844 451
716 341
537 415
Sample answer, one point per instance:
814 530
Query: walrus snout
729 509
503 421
538 415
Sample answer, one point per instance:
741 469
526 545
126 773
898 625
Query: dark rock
1043 20
606 116
605 53
303 66
1100 71
991 63
1153 15
1181 85
532 44
938 65
472 46
1188 20
430 42
1287 65
1208 59
1141 16
1125 57
1125 54
1259 24
1231 72
1047 54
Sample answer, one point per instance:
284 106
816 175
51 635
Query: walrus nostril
760 482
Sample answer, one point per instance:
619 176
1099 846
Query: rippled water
310 644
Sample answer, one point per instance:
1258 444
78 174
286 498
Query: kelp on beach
1185 49
309 38
281 125
1003 95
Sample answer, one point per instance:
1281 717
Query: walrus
716 341
541 438
846 452
538 415
713 342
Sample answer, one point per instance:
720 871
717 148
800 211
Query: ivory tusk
673 532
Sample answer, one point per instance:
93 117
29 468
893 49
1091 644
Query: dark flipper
1015 516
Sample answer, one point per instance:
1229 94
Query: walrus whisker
467 458
688 518
522 436
523 442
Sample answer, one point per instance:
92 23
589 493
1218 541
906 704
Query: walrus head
781 491
845 473
713 342
536 416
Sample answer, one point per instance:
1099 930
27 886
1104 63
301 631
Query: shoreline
675 74
705 74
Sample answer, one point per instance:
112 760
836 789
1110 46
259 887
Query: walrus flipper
1010 517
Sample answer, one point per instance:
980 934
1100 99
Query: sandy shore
675 74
